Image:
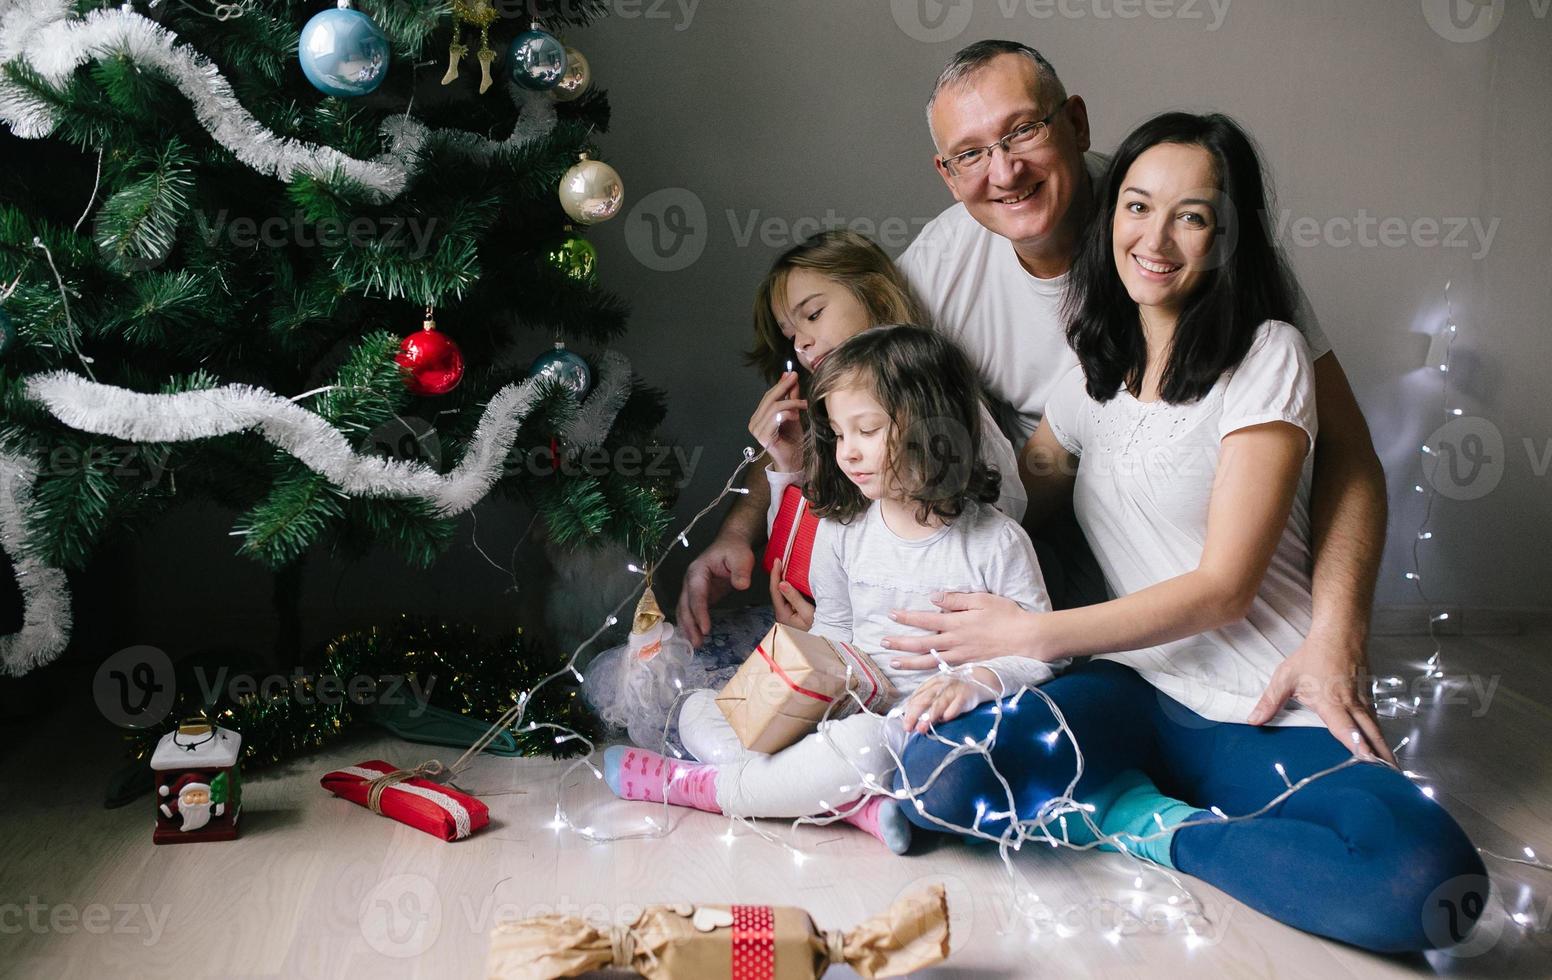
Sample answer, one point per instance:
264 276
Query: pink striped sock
636 774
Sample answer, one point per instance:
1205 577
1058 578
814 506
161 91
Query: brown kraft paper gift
792 681
737 942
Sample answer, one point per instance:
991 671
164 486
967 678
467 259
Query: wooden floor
317 887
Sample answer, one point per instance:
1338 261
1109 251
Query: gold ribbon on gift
664 943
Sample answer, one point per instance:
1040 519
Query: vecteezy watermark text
96 918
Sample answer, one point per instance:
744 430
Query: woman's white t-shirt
1142 494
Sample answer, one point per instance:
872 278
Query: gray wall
751 122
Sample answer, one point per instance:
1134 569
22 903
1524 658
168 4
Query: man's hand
790 606
724 566
1328 677
973 626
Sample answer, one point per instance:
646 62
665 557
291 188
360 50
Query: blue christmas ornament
538 60
343 52
564 366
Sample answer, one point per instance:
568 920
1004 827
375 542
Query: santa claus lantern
198 795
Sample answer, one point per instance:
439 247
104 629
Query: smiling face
1164 225
817 314
861 428
1024 198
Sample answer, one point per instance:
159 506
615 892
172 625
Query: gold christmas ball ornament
577 78
591 191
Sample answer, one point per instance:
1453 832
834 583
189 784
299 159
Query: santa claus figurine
198 796
190 799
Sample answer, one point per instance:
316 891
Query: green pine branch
137 225
290 519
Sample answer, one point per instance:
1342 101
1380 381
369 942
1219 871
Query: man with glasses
1013 148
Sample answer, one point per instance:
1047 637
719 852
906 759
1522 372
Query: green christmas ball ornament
8 331
577 258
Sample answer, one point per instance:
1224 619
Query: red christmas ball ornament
432 363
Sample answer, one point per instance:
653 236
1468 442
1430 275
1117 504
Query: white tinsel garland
46 35
137 417
45 593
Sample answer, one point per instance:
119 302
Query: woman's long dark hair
1247 281
932 395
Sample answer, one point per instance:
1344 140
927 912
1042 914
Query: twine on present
622 945
375 788
835 946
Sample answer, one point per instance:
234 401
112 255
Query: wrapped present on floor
733 942
792 539
435 808
793 681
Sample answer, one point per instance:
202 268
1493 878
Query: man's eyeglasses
1021 140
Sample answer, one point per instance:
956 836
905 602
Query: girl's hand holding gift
776 426
788 603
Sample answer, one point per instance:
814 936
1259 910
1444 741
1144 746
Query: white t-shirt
1141 497
1009 322
862 571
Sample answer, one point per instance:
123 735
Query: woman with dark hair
1184 440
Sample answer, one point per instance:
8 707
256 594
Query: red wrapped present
792 539
432 807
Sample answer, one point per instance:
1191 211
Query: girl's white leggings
821 773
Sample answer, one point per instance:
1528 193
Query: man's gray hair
974 57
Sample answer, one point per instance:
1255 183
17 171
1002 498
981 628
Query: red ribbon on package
754 942
431 807
792 539
862 666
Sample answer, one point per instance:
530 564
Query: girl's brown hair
927 387
845 257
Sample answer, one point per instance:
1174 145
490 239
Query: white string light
1385 694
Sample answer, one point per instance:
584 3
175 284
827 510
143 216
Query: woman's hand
947 696
973 626
775 424
1328 678
790 606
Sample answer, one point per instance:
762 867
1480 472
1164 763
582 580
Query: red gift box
792 539
432 807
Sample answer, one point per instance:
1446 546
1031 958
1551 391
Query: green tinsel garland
457 668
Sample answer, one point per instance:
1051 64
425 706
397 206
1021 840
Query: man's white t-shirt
1144 483
1009 322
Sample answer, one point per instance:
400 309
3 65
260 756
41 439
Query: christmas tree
307 244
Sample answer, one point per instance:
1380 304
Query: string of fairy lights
1386 692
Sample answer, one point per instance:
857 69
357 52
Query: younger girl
894 471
